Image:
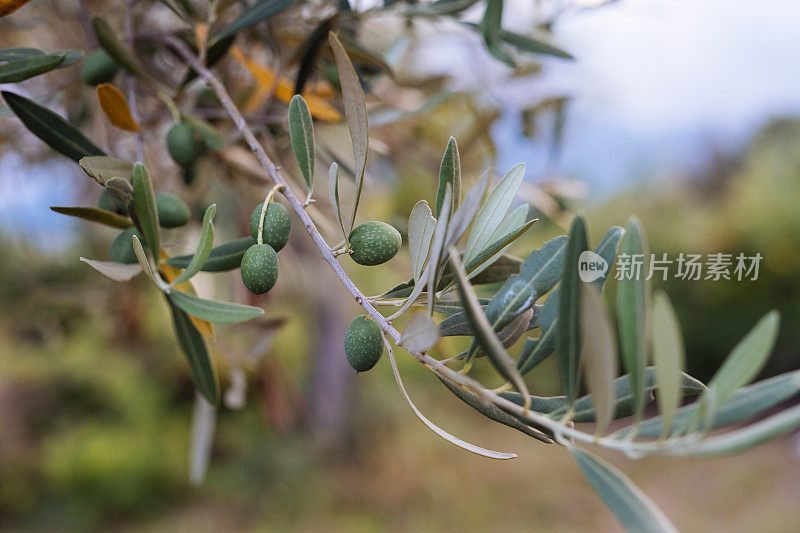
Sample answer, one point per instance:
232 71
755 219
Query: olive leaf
212 310
420 233
19 53
93 214
457 325
144 262
634 510
301 132
599 347
668 357
493 211
113 47
333 191
102 168
115 106
568 339
121 189
203 248
355 111
259 11
223 257
437 246
419 334
449 173
195 350
22 69
528 44
112 270
144 203
484 334
633 308
491 454
509 230
465 214
491 30
56 132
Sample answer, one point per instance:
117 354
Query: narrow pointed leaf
115 106
355 111
114 47
437 247
301 132
599 352
333 190
493 211
607 249
634 510
420 333
261 10
102 168
511 229
668 357
465 214
22 69
633 309
203 247
457 323
223 257
449 173
144 262
93 214
19 53
420 233
144 204
533 46
212 310
195 350
56 132
112 270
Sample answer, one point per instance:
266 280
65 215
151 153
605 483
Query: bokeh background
684 112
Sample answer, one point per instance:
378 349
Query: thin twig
130 80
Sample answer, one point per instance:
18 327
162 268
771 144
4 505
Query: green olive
259 268
122 247
277 225
109 203
363 343
98 67
374 243
183 145
172 211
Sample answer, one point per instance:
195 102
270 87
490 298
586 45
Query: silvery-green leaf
355 111
465 214
745 403
509 230
484 334
114 47
22 69
204 246
333 190
599 353
568 340
194 348
112 270
223 257
745 360
635 511
607 249
783 423
204 419
121 189
212 310
437 247
493 211
668 357
93 214
504 266
420 232
261 10
18 53
439 431
301 132
493 412
144 205
144 262
102 168
633 309
419 334
449 173
457 325
537 350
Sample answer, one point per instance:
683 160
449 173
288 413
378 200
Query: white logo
591 266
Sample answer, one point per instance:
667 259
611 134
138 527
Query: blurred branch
130 79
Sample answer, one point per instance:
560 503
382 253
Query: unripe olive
98 67
374 243
277 225
183 145
259 268
122 247
109 203
172 211
363 343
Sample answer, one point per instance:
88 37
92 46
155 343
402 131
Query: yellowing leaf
283 89
171 273
9 6
116 107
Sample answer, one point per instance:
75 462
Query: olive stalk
270 195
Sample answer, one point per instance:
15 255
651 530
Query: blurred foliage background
96 400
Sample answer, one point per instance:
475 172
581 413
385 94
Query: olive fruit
259 268
183 145
277 225
363 343
172 211
122 247
98 67
374 243
109 203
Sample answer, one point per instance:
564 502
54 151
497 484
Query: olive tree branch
675 446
